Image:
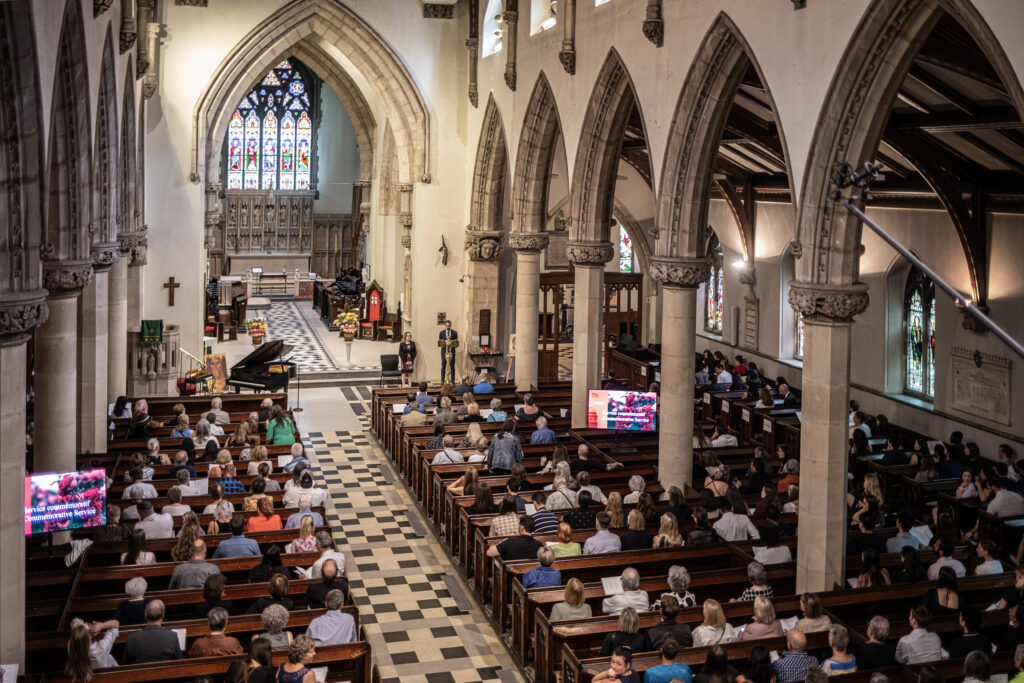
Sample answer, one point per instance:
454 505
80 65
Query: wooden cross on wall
171 285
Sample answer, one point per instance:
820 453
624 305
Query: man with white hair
875 653
217 410
183 486
335 627
265 407
542 434
448 455
298 453
328 551
295 519
630 596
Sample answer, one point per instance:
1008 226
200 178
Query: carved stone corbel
828 303
100 6
528 241
682 273
105 255
66 278
654 25
509 30
483 245
438 10
582 254
473 45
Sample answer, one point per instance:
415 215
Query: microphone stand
298 389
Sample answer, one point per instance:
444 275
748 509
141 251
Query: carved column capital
405 187
438 10
19 313
682 273
483 245
828 303
134 244
654 31
127 35
105 255
66 278
214 187
528 241
100 6
583 254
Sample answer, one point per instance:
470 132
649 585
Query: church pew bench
203 468
232 403
349 662
43 652
168 443
102 579
919 494
117 489
122 427
594 567
457 532
889 476
711 402
392 425
107 554
548 636
1004 531
963 512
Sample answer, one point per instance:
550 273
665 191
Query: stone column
567 55
528 246
18 315
93 336
405 220
679 281
56 366
509 36
483 247
824 430
117 326
135 245
588 322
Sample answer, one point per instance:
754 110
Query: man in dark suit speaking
447 353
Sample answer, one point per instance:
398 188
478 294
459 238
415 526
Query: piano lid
267 352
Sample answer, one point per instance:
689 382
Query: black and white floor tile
401 579
285 321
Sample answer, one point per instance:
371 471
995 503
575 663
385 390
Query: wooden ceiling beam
743 205
992 116
993 151
944 90
745 125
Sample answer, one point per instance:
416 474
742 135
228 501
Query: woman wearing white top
715 630
637 485
988 551
481 448
595 492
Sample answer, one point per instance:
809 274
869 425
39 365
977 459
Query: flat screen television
628 411
63 501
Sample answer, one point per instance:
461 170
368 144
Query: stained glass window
919 335
713 289
625 251
270 136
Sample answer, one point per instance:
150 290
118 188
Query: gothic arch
66 236
592 192
854 113
312 21
700 115
126 162
487 201
105 176
21 163
534 159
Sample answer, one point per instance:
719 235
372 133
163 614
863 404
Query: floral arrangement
257 326
348 321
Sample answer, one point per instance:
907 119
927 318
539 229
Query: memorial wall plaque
981 390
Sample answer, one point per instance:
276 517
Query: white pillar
136 284
21 315
117 338
675 426
824 431
92 364
588 331
528 247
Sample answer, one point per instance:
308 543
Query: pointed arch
535 158
69 165
126 163
699 119
105 175
320 22
592 192
21 164
872 68
487 201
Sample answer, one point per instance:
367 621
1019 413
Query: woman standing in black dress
407 358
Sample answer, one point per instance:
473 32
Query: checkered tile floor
401 579
285 321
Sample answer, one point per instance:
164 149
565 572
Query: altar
240 264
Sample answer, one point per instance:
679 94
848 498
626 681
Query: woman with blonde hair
473 413
480 454
300 654
628 635
243 437
613 507
637 538
668 535
765 623
188 519
306 542
565 547
259 454
217 469
467 401
714 630
223 511
466 485
181 429
574 605
473 434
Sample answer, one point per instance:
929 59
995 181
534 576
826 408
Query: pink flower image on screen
65 501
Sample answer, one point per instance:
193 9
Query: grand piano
262 371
